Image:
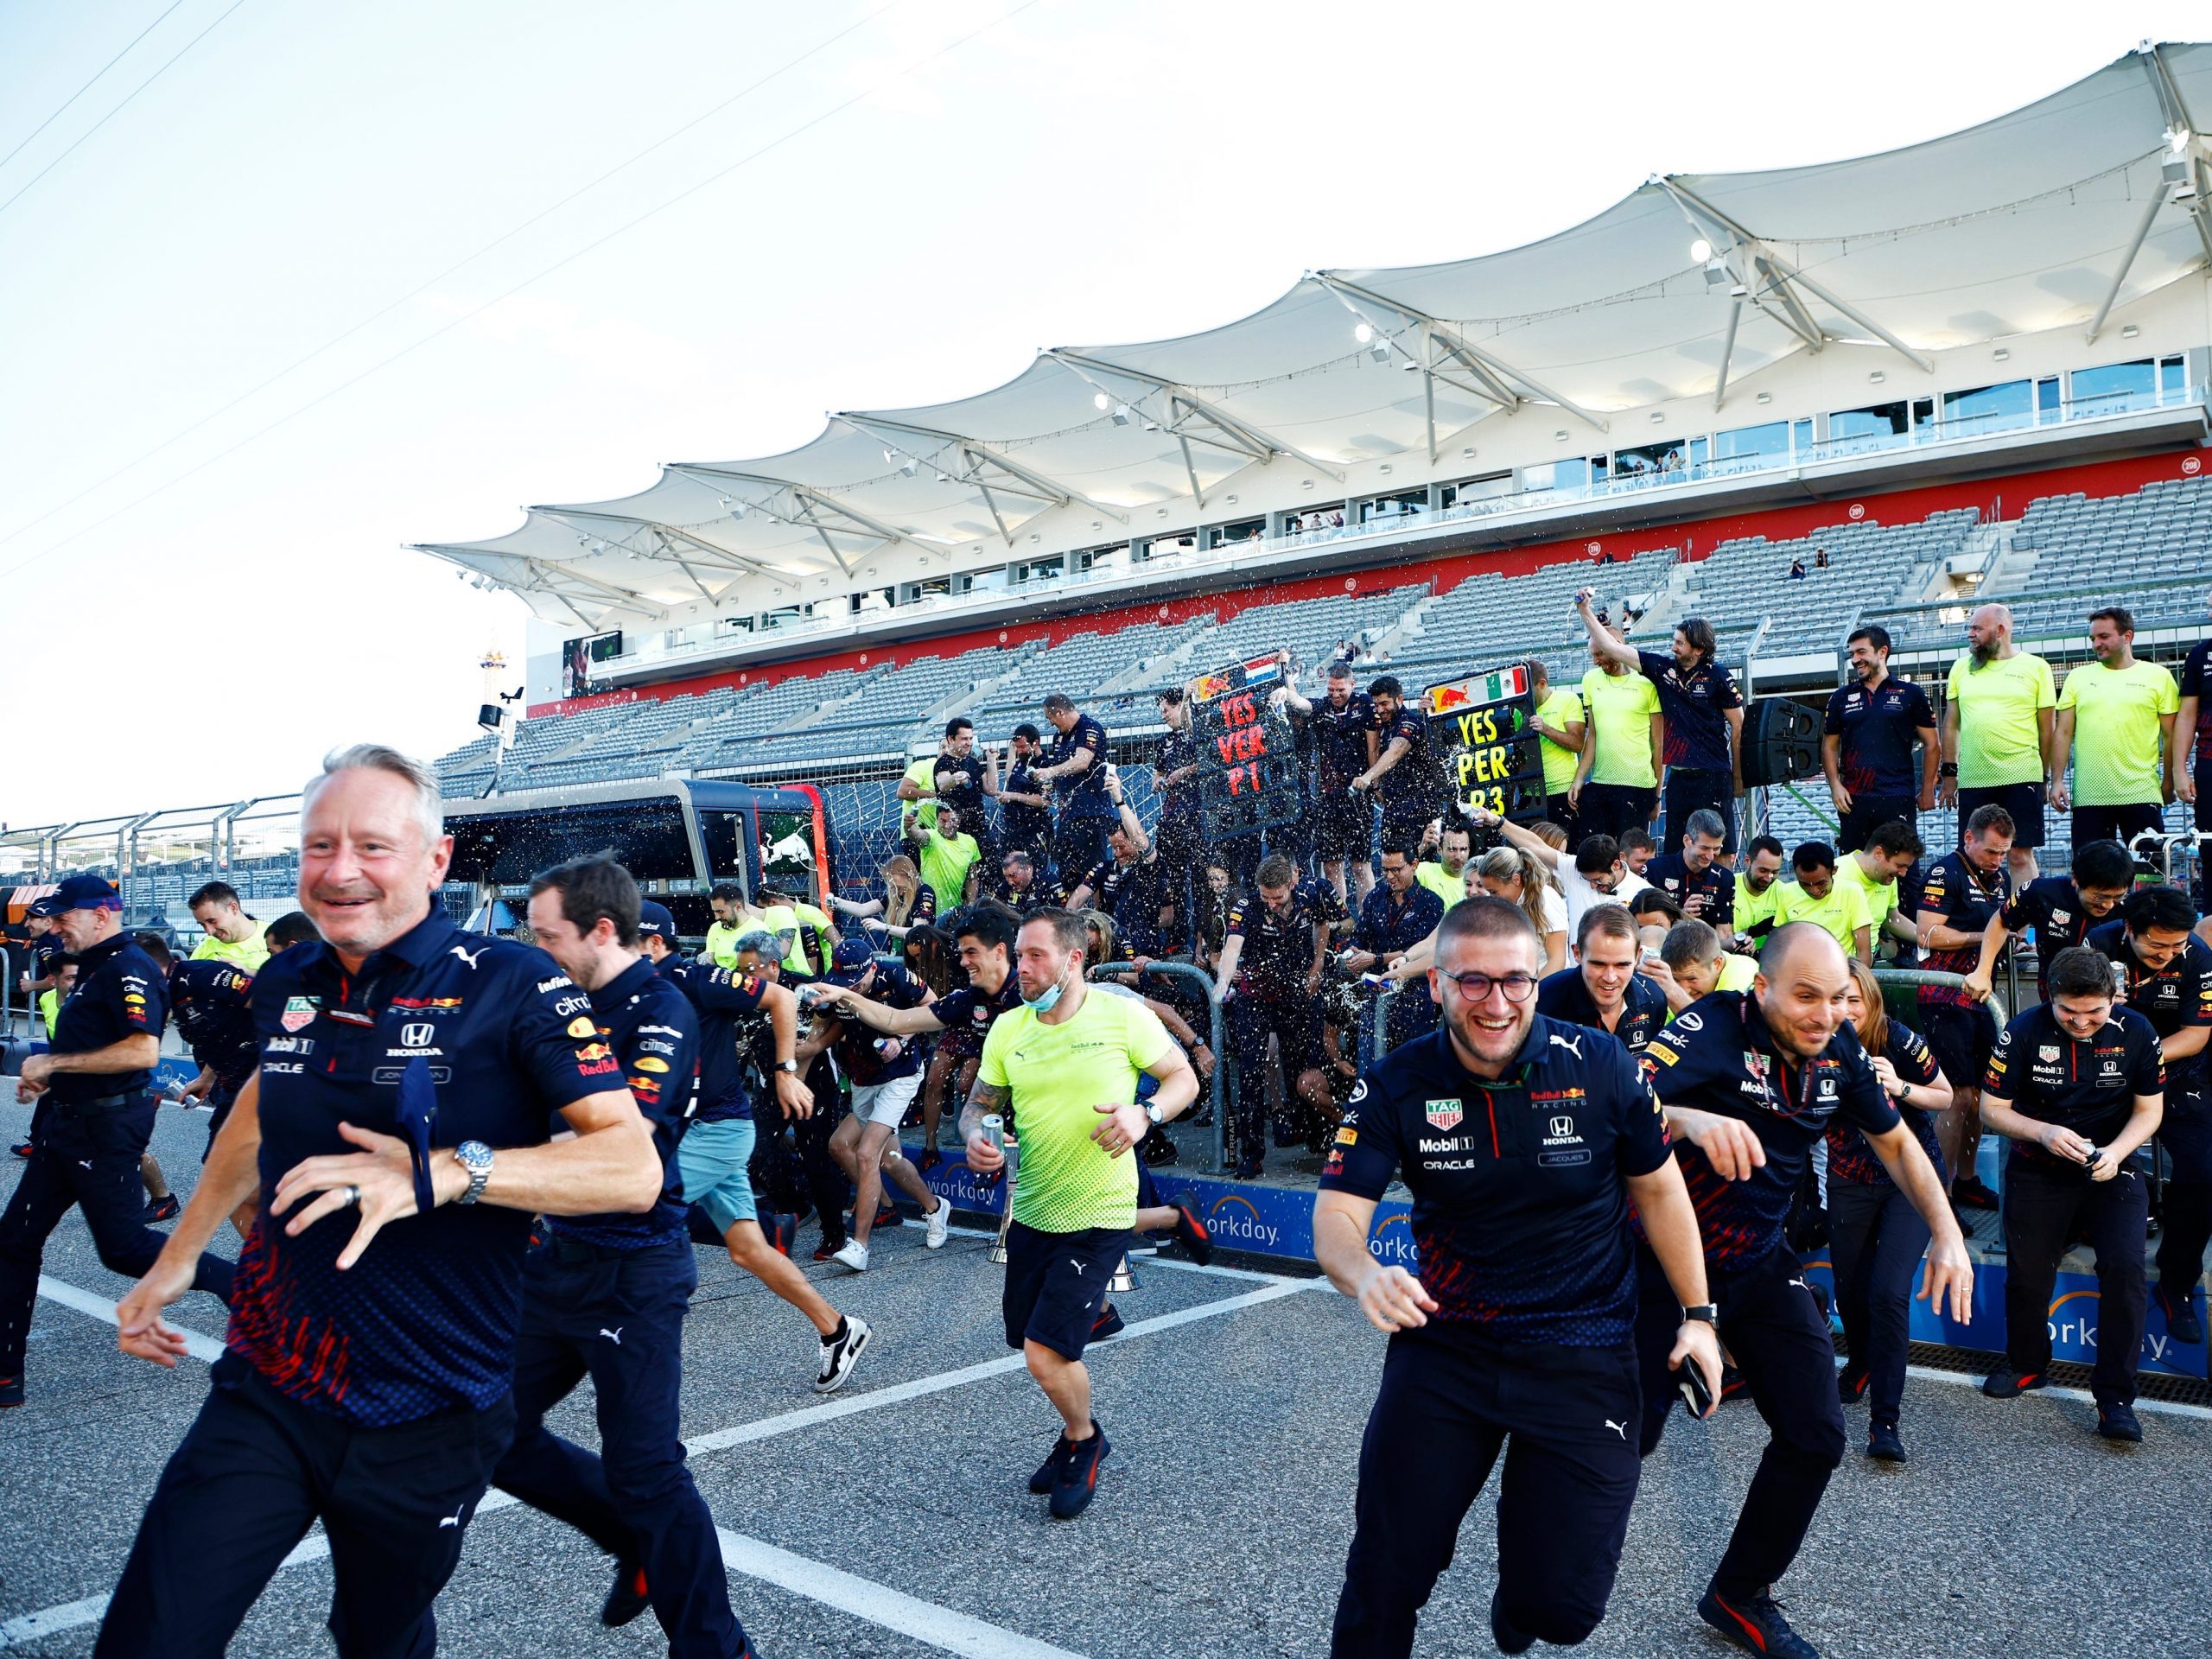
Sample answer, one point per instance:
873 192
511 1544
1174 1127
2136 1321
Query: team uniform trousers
86 1155
2044 1207
1294 1021
1876 1240
2119 823
1564 1418
1778 1337
2186 1136
1692 789
1613 809
617 1316
1080 842
254 1471
1869 813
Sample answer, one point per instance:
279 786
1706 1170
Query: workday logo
1392 1243
1238 1219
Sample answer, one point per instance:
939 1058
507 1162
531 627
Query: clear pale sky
1073 173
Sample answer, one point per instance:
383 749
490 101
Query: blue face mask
1046 1001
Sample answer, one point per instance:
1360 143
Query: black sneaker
1041 1482
1756 1625
889 1216
1076 1481
2116 1421
22 1148
1509 1638
2182 1323
627 1598
1108 1323
162 1209
1971 1192
1732 1386
1191 1229
1882 1442
1849 1386
2009 1384
1248 1169
12 1391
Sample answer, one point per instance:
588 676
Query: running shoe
162 1209
1076 1481
1191 1229
11 1392
1248 1169
1108 1323
22 1148
1510 1638
825 1251
627 1597
2009 1384
939 1223
1972 1192
2116 1421
2182 1323
1756 1625
1732 1386
931 1158
889 1216
1040 1484
854 1255
1849 1386
779 1230
841 1353
1882 1442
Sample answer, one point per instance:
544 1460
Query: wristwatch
1153 1111
476 1158
1705 1312
791 1066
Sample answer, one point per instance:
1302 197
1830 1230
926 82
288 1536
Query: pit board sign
1484 729
1250 780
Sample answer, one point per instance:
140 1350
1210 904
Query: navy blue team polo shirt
1671 874
1390 922
649 1024
213 1000
720 999
1083 795
2052 905
119 994
1697 731
1851 1161
2178 997
1719 1056
1876 731
1520 1205
1340 739
2046 1073
855 1048
1417 778
425 1321
1566 995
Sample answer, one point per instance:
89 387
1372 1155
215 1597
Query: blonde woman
908 902
1505 872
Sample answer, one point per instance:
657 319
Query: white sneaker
939 1221
838 1357
854 1255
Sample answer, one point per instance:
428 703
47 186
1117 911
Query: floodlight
1700 251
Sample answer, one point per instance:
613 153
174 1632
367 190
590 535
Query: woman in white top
1508 874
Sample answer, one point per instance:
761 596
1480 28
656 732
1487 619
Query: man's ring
353 1196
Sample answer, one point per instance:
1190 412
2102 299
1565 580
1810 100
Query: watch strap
1706 1312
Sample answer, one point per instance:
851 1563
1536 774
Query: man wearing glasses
1523 1140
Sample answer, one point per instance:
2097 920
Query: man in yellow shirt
1616 783
1816 896
2121 713
947 854
229 934
1446 875
1876 870
1758 891
1692 954
734 918
1560 723
1999 734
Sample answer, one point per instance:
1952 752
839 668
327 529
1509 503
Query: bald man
1750 1080
2000 736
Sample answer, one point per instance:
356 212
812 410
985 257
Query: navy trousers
1876 1239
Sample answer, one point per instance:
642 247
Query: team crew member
1562 728
1019 889
1270 969
1131 884
732 919
1397 916
1025 810
376 1402
212 1003
2076 1085
1694 956
1705 720
1616 786
1342 726
906 904
886 1073
1866 740
1595 874
1076 768
1404 775
605 1297
1751 1083
1876 1236
1603 990
2168 971
1999 737
948 856
1758 892
1065 1065
1878 869
1695 878
2116 715
1964 892
1446 875
2060 908
1523 1140
95 1118
827 1189
1175 771
1817 897
2190 762
229 934
966 773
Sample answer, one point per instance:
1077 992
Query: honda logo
419 1035
1562 1127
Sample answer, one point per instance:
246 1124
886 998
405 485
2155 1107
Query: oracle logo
1858 510
2191 466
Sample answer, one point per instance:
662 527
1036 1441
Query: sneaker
2182 1323
1108 1323
854 1255
1970 1191
1509 1638
841 1353
22 1148
931 1158
889 1216
1248 1169
939 1223
1191 1229
12 1391
627 1598
2116 1421
165 1208
2009 1384
1041 1482
1732 1386
1076 1481
778 1230
1849 1386
825 1251
1755 1625
1882 1442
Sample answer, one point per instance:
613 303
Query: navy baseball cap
850 963
41 907
653 918
84 893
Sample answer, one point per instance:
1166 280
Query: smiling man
399 1117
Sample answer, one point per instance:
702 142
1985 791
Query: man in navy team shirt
1963 892
1405 774
1340 728
1751 1082
1705 720
1695 877
1524 1141
2192 735
2062 909
397 1137
1603 989
1397 916
1866 742
1075 765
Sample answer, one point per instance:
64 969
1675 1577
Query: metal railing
1218 1095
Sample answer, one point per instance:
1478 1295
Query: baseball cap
850 965
41 907
653 918
84 893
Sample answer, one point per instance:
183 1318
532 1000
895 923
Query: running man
1066 1064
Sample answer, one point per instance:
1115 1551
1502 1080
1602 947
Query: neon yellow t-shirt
1441 882
945 865
804 918
1561 709
721 941
923 775
50 1007
1880 897
1056 1075
1999 738
2117 746
1753 908
1842 911
1737 973
1620 707
246 954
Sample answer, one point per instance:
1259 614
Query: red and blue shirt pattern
1851 1161
1697 730
1966 900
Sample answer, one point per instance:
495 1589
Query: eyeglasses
1476 988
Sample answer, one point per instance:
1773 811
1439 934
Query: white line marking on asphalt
2167 1408
101 1308
1158 1262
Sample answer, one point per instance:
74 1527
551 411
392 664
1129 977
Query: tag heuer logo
299 1013
1444 1114
2060 918
2047 1054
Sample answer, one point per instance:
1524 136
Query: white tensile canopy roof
2044 218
